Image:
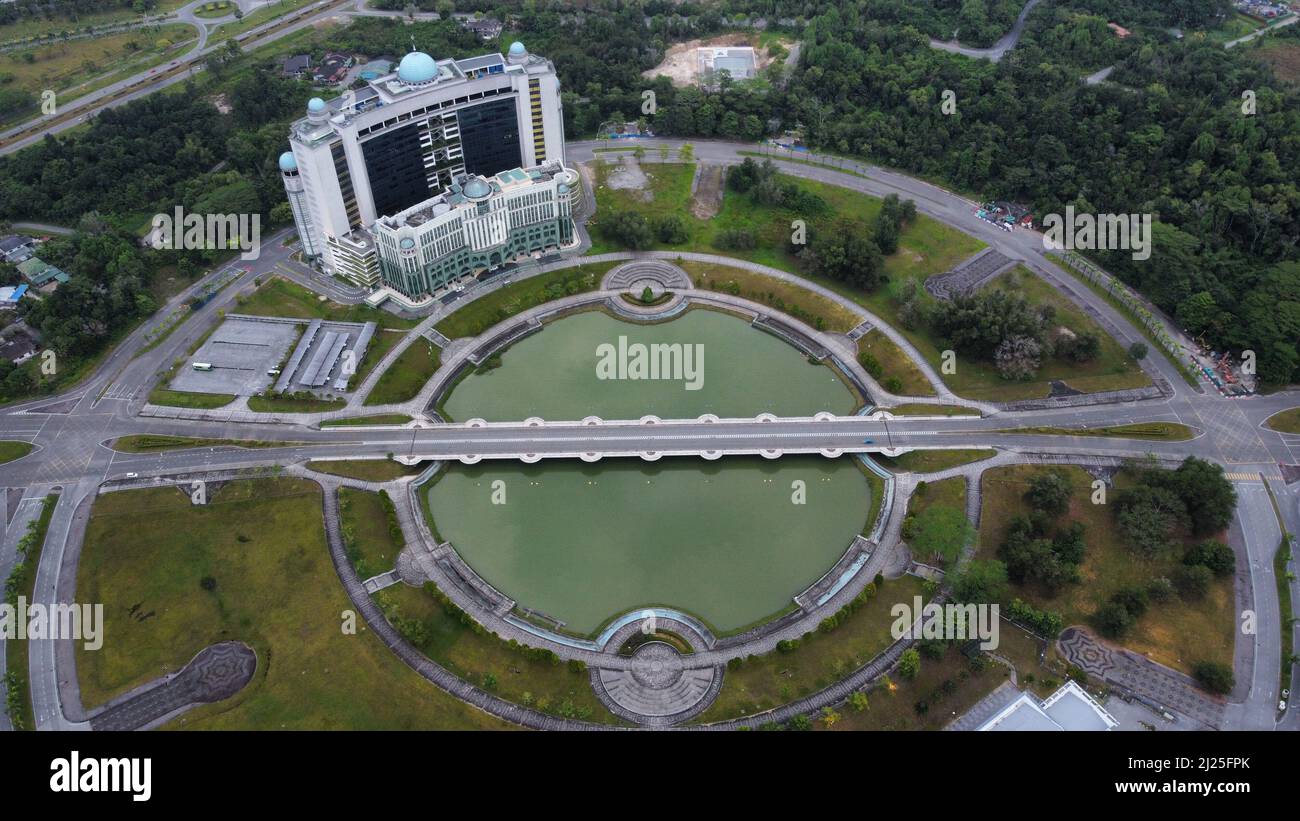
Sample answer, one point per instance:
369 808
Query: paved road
1257 526
1290 21
999 49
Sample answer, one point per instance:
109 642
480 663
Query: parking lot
240 352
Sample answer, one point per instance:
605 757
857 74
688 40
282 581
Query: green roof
39 272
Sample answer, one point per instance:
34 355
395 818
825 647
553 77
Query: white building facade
478 224
404 137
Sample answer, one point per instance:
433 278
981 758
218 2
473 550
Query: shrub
1132 599
871 365
1113 620
1215 555
909 664
1160 590
1214 676
1192 581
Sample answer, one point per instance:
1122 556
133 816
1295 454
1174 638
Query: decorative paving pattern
1148 680
215 674
659 687
666 274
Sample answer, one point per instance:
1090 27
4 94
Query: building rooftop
13 242
39 272
465 188
416 73
296 64
417 68
1070 709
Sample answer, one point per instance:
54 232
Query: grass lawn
798 302
380 344
251 21
186 399
767 681
263 542
943 690
371 548
292 404
476 317
943 493
1113 369
1283 55
407 375
926 247
1168 431
10 451
217 8
367 470
149 443
896 364
37 26
921 409
1175 633
930 461
479 657
18 699
1022 649
1288 421
1285 605
1189 376
78 67
877 490
280 297
377 419
1234 25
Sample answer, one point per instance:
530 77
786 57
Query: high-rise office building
404 137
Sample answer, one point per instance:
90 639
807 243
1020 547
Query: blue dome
315 104
417 67
407 243
517 49
287 162
476 188
563 189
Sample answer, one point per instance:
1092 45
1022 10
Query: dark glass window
489 137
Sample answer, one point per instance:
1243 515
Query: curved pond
725 541
593 364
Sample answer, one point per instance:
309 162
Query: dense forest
133 161
1167 136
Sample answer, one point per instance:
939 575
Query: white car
133 476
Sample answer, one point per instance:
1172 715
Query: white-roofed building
1070 708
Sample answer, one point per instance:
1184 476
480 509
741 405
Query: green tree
909 664
942 531
1050 493
982 581
1214 676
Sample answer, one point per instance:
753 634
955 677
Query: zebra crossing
1252 476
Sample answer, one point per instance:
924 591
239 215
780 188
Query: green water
745 372
721 540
